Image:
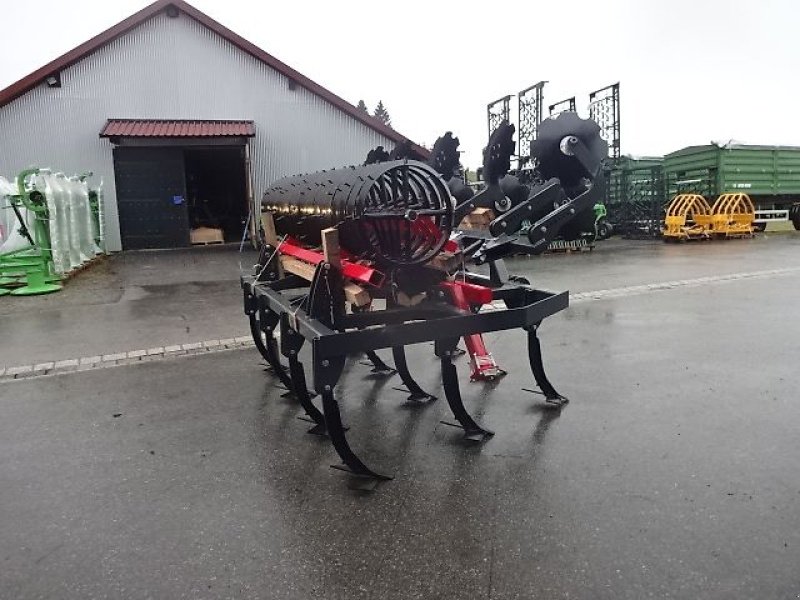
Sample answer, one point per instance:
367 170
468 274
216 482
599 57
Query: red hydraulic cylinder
464 296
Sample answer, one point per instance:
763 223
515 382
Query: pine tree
382 114
362 106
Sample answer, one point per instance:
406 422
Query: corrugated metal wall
176 69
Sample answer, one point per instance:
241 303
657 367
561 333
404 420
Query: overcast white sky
691 71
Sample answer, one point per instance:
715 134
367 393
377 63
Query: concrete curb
88 363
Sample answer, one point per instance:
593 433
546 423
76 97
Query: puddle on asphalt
134 292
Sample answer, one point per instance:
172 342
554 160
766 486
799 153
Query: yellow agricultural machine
733 216
690 217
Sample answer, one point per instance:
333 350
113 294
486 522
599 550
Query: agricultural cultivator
359 259
50 226
604 111
690 217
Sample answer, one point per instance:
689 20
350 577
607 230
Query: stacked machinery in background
769 175
689 216
634 190
636 197
50 226
639 190
603 110
643 193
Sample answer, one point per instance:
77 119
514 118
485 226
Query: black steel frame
529 115
497 112
636 200
604 110
562 106
308 313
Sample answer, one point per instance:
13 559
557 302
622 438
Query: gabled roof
171 128
36 78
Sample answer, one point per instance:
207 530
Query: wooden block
353 293
330 247
298 267
268 225
206 235
484 217
445 261
270 235
404 299
477 219
356 295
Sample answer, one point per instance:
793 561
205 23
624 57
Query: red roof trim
176 128
29 82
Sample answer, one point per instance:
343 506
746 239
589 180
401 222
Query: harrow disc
444 155
376 155
497 154
552 155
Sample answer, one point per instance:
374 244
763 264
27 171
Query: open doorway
216 189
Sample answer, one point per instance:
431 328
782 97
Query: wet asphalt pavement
139 300
129 301
672 473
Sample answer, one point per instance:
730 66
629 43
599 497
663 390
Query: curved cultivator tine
472 431
300 390
551 396
267 346
417 394
336 431
258 338
378 366
291 344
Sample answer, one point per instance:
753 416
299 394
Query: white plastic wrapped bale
82 212
62 195
100 223
75 219
11 240
7 216
57 225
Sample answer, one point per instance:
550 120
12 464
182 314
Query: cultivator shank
361 259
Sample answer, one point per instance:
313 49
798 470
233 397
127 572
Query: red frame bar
351 270
464 295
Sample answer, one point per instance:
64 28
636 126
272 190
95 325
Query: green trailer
770 175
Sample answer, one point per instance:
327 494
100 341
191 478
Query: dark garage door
151 197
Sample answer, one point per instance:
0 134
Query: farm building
185 122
